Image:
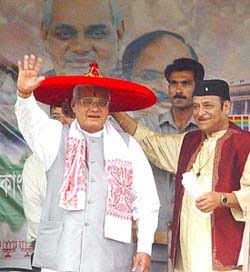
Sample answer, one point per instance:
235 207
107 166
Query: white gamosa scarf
119 172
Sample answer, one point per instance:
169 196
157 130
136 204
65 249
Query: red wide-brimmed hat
125 95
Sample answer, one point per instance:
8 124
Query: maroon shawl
230 157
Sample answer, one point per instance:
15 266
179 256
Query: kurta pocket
70 247
47 244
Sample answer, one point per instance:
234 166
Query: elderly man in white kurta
98 180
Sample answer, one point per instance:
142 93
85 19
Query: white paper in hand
189 181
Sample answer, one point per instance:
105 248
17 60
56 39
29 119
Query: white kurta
196 254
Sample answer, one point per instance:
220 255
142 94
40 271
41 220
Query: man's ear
72 104
121 30
43 32
227 107
168 88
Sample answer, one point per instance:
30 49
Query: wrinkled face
180 89
209 114
151 63
91 109
80 33
56 114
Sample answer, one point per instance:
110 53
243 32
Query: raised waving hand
28 75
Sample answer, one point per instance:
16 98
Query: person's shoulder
125 136
238 139
128 139
244 133
33 162
237 131
241 135
193 137
32 158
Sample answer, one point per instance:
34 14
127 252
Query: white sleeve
243 195
41 133
33 192
146 204
162 150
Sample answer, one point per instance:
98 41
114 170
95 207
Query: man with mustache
182 76
77 33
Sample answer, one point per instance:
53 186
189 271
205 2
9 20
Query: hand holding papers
189 181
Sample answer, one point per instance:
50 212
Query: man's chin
179 102
91 127
203 126
181 106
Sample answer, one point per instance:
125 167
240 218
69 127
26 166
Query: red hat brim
125 95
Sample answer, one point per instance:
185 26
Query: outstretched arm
161 150
41 133
127 123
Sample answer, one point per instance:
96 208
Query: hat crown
93 70
216 87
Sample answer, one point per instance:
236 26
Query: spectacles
90 101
